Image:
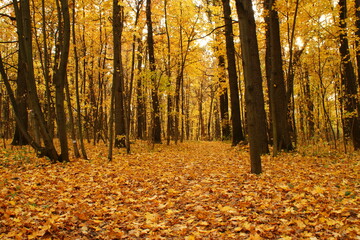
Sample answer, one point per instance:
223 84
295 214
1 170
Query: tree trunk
254 98
156 131
49 107
132 76
60 78
224 102
71 121
140 101
221 75
25 39
120 131
21 100
210 120
217 121
184 111
170 115
293 59
77 94
178 83
237 132
41 151
177 108
277 91
357 41
201 115
309 107
348 81
111 116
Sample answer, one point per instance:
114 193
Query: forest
179 119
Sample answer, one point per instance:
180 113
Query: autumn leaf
150 194
227 209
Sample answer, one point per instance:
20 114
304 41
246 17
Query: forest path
192 190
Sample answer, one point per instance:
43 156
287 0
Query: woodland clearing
193 190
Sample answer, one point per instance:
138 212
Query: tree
170 97
348 82
118 76
224 101
71 120
21 99
21 96
253 84
237 133
77 94
221 69
156 130
186 27
140 96
60 77
357 41
136 38
49 110
275 76
41 150
23 21
293 61
180 77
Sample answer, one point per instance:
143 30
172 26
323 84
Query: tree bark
118 81
132 76
41 151
21 100
60 78
71 121
294 57
156 131
348 81
277 91
77 94
217 121
357 41
237 132
210 119
221 72
111 118
309 106
49 107
140 101
224 101
170 115
254 97
23 18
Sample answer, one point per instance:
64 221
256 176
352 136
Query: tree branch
10 41
6 15
212 31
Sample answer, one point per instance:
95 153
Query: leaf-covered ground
195 190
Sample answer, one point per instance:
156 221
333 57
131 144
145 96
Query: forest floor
193 190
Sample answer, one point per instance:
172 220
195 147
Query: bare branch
6 15
10 41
